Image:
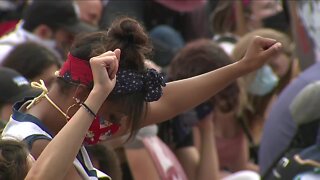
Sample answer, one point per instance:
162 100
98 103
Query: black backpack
296 159
295 164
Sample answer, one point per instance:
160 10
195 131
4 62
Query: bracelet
88 109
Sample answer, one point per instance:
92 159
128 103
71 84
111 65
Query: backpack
297 164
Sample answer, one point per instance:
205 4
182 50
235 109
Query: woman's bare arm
182 95
56 160
203 163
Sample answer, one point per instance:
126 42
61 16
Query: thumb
271 51
117 52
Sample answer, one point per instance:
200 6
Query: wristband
88 109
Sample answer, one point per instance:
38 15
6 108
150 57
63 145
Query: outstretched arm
56 159
179 96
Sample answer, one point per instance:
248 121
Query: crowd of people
157 89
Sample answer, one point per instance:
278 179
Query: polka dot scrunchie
130 81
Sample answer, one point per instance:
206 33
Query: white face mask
49 43
264 82
52 46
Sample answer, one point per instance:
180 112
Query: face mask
264 82
49 43
279 21
100 130
52 46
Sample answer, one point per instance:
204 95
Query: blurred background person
233 19
49 23
280 131
34 62
262 87
13 87
196 139
90 11
10 14
105 159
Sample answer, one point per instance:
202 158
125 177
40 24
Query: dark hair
30 59
129 36
32 21
13 160
199 57
107 159
223 18
54 14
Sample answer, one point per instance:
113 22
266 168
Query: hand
260 51
104 68
206 124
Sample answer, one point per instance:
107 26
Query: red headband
77 70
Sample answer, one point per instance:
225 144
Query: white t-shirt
24 127
18 36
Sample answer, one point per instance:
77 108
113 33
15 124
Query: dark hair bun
128 31
128 35
124 33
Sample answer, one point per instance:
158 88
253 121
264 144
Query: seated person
13 87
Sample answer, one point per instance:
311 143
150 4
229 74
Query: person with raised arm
139 97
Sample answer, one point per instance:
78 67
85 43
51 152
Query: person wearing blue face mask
264 82
258 91
262 87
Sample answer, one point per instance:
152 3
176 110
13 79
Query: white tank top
24 127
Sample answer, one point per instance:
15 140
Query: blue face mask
264 82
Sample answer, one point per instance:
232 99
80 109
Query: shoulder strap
165 161
246 130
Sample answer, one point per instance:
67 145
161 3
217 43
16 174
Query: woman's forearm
185 94
63 148
209 165
182 95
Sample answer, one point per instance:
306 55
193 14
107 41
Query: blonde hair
242 45
240 50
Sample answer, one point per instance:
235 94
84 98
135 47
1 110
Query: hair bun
129 32
128 35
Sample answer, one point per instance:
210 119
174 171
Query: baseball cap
56 13
14 87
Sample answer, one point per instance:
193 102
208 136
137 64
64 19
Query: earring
76 104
